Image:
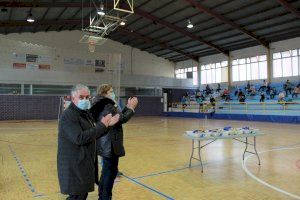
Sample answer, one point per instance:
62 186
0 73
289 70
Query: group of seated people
265 91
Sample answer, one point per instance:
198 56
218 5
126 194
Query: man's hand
114 120
132 103
110 120
106 119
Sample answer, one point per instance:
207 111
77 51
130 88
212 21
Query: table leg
199 154
192 154
245 148
254 138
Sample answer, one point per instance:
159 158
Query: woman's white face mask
111 95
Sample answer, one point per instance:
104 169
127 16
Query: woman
110 147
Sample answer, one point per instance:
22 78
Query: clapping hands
110 120
132 103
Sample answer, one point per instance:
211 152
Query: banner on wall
44 59
19 65
89 62
32 66
18 58
74 61
69 61
79 62
44 67
31 61
31 58
99 65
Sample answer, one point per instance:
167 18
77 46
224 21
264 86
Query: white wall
185 64
212 59
284 46
140 68
134 61
254 51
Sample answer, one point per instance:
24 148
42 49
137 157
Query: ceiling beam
198 14
58 17
216 33
178 29
164 45
148 24
18 4
9 18
137 11
43 17
74 15
289 7
225 20
22 23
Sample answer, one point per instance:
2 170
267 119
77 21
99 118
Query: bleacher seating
251 105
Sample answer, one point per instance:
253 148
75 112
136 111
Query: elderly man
77 134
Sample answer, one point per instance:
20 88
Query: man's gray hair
78 87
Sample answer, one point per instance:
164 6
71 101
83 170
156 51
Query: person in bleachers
226 95
272 93
262 97
268 88
247 88
218 88
184 101
252 90
208 90
199 100
287 87
282 100
264 86
240 93
241 97
281 97
197 94
296 91
212 101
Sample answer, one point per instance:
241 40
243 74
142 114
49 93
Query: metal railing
281 108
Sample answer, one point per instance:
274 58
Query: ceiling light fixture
101 11
30 18
189 24
122 23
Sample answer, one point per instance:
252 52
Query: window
182 74
252 68
214 73
286 63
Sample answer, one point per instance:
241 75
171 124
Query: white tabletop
224 136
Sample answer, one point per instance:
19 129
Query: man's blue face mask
84 104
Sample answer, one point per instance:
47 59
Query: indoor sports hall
213 88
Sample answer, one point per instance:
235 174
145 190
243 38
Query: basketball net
92 46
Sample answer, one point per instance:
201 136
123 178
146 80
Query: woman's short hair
103 89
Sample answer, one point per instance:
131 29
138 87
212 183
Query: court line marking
26 128
183 168
263 182
141 184
12 142
147 187
24 174
163 172
206 163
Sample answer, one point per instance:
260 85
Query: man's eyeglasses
81 97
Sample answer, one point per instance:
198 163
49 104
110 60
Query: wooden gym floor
155 166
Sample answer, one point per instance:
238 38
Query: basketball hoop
92 46
92 41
